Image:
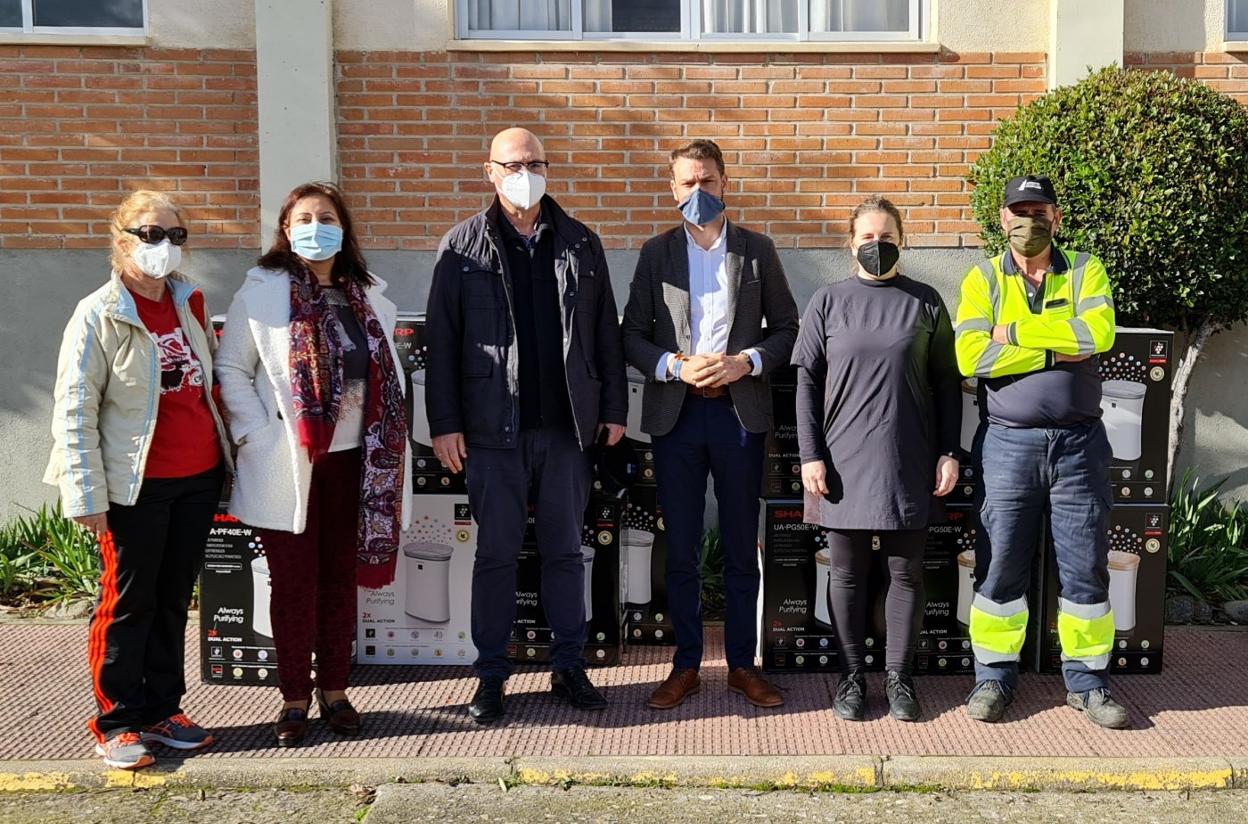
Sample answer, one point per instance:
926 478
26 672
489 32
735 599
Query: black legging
848 593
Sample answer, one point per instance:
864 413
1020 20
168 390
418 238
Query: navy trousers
549 468
708 439
1028 475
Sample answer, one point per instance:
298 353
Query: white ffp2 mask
157 260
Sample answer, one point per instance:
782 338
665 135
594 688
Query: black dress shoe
290 727
342 717
487 704
573 685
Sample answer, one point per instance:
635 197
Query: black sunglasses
155 234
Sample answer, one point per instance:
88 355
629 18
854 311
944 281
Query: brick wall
1221 71
806 136
79 126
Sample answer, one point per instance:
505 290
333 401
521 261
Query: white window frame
28 26
1233 36
691 29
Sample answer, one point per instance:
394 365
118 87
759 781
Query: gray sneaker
987 702
1101 709
125 751
179 732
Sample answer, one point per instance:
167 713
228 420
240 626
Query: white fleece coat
272 474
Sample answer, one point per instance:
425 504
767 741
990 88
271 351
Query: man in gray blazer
694 327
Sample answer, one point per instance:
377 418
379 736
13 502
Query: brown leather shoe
679 685
342 717
757 690
291 726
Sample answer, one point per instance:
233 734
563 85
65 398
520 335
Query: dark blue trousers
1030 475
708 438
549 468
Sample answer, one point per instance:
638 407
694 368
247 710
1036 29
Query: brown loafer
757 690
291 726
678 686
342 717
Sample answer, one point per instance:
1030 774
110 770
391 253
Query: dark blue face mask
701 207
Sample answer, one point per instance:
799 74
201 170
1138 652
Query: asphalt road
441 803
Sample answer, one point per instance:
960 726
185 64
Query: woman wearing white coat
310 378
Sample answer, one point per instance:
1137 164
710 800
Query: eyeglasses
155 234
538 167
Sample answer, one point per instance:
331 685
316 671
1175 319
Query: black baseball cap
1030 189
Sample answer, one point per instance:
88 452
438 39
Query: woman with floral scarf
309 376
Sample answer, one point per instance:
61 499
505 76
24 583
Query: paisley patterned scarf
316 373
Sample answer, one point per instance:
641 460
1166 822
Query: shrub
45 557
1151 171
1208 556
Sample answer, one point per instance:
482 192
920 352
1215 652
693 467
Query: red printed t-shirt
185 441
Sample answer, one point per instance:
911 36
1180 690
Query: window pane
632 15
520 15
11 14
1238 17
859 15
749 16
119 14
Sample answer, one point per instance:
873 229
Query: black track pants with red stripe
136 643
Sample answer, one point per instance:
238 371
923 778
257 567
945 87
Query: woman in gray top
878 421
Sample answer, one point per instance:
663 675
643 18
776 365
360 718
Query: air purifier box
428 475
235 632
797 632
782 465
1135 408
424 616
643 568
600 552
944 645
1138 548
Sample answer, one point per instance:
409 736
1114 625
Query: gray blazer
657 321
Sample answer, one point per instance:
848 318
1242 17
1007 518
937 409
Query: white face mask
157 260
523 189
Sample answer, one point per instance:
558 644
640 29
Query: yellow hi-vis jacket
1077 317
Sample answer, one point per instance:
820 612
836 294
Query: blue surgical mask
701 208
315 241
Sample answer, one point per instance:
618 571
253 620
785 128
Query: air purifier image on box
420 420
966 585
637 545
587 555
970 413
636 386
823 575
1122 410
428 580
1124 568
261 593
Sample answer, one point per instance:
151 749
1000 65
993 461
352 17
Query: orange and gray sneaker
179 732
125 751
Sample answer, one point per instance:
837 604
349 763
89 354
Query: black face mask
878 257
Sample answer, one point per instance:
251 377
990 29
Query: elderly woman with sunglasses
139 453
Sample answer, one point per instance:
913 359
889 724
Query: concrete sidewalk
1191 729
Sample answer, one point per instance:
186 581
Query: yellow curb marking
1136 780
34 782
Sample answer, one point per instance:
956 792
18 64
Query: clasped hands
717 369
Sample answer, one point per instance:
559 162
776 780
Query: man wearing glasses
525 374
